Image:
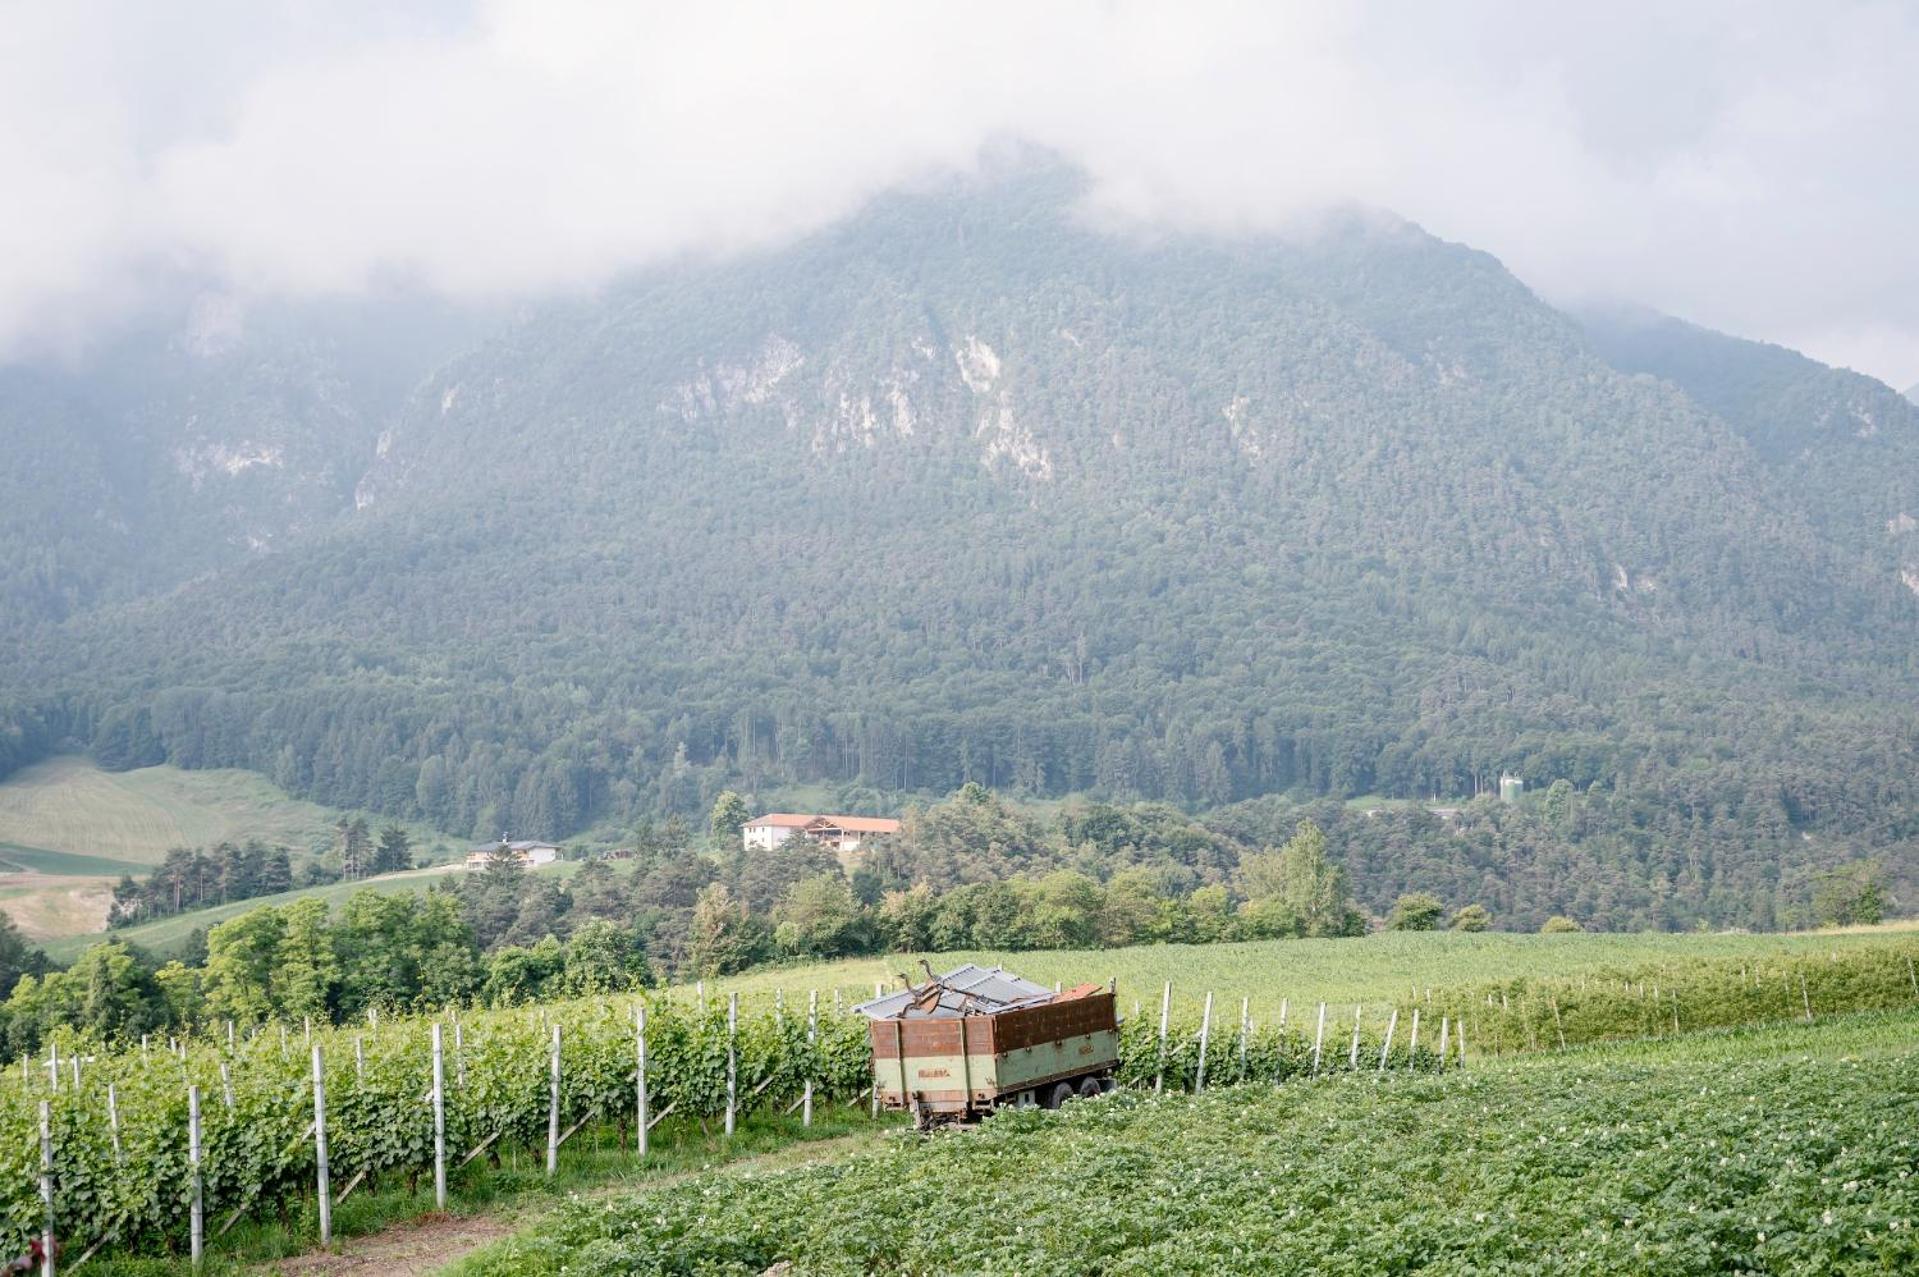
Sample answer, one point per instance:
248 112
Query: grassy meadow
1361 970
69 830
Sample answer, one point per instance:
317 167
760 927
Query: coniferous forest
962 490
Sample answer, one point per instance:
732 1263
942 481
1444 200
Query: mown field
68 830
68 805
1371 969
166 936
1781 1149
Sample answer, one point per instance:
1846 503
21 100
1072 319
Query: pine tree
395 851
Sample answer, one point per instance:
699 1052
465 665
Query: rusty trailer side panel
956 1064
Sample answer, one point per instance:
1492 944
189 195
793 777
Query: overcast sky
1754 167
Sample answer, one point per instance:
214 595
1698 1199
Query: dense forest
963 490
970 872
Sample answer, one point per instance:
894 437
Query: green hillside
166 936
963 489
85 820
1373 968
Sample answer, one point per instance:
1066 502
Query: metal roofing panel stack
965 990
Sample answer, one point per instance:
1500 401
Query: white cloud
1747 166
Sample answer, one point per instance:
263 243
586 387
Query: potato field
1786 1149
100 1141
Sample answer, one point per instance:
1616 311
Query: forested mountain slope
962 488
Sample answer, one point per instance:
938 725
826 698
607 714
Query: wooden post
319 1149
1353 1062
1165 1011
439 1120
113 1118
1386 1047
1205 1035
812 1037
732 1060
553 1107
1319 1038
46 1190
1412 1044
639 1077
196 1210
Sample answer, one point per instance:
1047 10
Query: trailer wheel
1090 1089
1059 1095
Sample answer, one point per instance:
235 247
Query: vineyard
1785 1149
120 1162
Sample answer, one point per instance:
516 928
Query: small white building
841 833
529 853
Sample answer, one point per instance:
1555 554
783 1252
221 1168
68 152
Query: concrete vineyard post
1352 1061
226 1085
1912 975
1461 1030
1412 1044
113 1118
699 994
1205 1035
732 1061
359 1059
1319 1038
1386 1047
459 1055
1282 1014
46 1189
639 1077
439 1120
1165 1011
319 1148
779 1006
1445 1024
812 1039
553 1106
1805 997
53 1067
1245 1030
196 1206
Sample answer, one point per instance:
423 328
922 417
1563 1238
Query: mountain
966 488
1912 392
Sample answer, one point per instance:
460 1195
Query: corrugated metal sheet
965 990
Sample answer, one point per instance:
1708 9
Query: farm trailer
978 1038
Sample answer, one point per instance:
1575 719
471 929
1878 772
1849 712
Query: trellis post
1245 1031
113 1118
1353 1059
1319 1038
196 1213
319 1149
1412 1044
553 1107
812 1039
1386 1047
1205 1034
639 1076
732 1060
1445 1026
1165 1013
46 1190
439 1119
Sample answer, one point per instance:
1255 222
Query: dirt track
427 1244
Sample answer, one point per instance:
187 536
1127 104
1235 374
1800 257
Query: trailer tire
1090 1089
1059 1095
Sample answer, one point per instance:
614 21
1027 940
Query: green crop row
256 1101
1799 1155
257 1095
